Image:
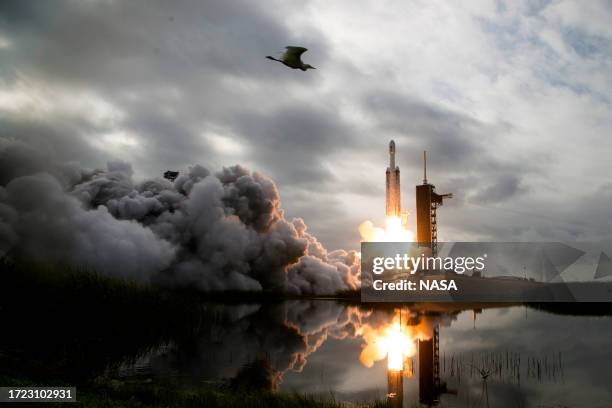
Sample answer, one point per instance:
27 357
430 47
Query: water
511 356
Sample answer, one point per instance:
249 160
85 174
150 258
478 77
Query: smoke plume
211 231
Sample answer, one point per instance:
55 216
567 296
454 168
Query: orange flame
394 231
395 340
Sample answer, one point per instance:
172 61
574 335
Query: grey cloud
51 137
504 187
130 43
295 142
176 72
168 140
457 146
171 71
450 136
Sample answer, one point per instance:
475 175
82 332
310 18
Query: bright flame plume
394 231
395 340
391 340
387 341
398 346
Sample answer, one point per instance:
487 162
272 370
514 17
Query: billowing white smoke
223 231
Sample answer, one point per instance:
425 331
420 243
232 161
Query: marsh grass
76 323
70 326
105 393
162 395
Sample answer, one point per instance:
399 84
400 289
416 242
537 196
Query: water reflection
417 355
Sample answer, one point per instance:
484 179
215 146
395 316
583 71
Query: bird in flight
292 58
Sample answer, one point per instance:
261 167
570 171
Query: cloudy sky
512 100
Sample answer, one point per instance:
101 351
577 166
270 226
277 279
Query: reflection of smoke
316 321
235 346
283 336
214 232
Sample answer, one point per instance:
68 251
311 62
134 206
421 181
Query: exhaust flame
395 340
389 341
394 231
398 346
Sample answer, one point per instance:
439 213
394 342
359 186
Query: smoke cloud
211 231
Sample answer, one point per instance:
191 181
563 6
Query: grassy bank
73 324
121 394
74 327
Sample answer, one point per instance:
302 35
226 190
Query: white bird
291 58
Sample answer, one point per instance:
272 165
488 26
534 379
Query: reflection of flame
394 340
395 231
387 341
398 346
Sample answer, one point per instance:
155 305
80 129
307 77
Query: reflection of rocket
395 388
393 208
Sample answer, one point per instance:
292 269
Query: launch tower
427 202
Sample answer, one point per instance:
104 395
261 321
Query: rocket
393 207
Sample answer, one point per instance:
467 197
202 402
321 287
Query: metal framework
434 229
436 357
427 203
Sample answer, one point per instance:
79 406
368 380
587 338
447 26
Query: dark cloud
169 140
452 138
112 44
296 142
503 188
52 138
173 74
459 147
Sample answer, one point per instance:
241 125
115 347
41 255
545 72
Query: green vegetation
122 394
71 324
73 327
